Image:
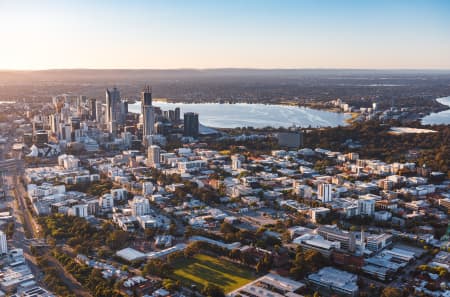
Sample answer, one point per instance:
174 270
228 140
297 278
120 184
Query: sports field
202 269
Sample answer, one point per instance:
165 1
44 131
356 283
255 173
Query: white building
325 192
383 215
147 188
79 210
335 280
303 191
236 162
106 202
119 194
190 166
153 156
68 161
140 206
366 206
318 212
3 243
269 285
378 242
45 189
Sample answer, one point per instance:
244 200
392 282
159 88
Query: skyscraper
146 97
116 110
92 109
191 124
113 108
54 122
99 112
147 111
3 243
153 156
177 114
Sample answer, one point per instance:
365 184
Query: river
253 115
439 118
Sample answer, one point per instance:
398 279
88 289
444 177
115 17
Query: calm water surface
255 115
439 118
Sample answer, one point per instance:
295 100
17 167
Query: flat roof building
269 285
333 233
332 280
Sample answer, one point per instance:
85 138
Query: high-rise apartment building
191 124
153 156
92 109
324 193
3 243
116 109
147 111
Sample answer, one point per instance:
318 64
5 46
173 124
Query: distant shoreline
292 104
445 108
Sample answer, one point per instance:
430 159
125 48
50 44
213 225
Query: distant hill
90 75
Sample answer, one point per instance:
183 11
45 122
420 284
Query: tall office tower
75 122
58 102
177 114
54 122
3 243
65 132
99 112
113 107
2 157
41 138
191 124
81 100
148 114
65 113
153 156
146 97
171 115
325 192
123 111
92 109
112 128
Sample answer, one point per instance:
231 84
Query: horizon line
225 68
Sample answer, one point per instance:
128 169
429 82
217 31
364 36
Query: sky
172 34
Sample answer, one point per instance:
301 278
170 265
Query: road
19 239
27 233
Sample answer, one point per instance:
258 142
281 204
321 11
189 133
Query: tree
264 264
117 239
157 267
191 249
235 254
391 292
227 228
211 290
306 262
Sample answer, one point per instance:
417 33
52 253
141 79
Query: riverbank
441 116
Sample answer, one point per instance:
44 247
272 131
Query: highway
27 230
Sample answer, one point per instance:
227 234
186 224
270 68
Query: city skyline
247 34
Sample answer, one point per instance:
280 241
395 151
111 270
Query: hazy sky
40 34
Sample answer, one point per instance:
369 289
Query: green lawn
202 269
